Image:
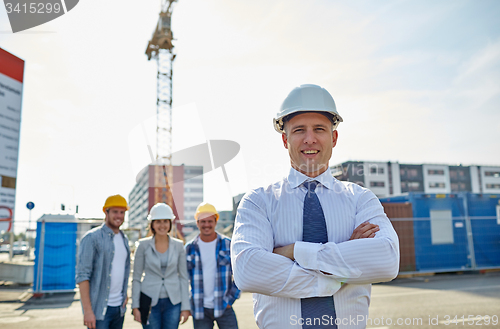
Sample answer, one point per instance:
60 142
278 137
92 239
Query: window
199 199
413 185
492 173
196 179
193 190
410 187
436 172
376 170
377 184
493 186
409 172
194 171
441 227
437 185
458 187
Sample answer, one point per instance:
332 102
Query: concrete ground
434 301
439 301
19 310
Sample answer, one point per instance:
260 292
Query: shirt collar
296 178
197 238
107 229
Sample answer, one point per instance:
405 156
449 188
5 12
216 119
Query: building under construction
187 183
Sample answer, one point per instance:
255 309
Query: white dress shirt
272 217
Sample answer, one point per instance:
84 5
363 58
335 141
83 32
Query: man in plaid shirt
209 266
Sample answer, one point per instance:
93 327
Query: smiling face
206 224
161 226
115 217
309 139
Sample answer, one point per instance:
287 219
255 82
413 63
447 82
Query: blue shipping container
441 224
485 228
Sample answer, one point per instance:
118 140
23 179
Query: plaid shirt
226 291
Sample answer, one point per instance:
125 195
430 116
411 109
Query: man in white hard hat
213 291
310 246
103 269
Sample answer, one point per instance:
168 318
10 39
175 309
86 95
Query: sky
415 82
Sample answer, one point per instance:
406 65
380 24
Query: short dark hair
290 116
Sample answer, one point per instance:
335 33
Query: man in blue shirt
103 269
209 266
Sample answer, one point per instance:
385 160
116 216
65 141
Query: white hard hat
161 211
307 98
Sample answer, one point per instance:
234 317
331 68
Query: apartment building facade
393 178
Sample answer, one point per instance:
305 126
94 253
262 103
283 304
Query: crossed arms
303 269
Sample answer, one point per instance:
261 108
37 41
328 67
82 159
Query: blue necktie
317 312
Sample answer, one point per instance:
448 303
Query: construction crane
160 48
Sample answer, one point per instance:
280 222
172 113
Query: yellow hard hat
115 201
207 208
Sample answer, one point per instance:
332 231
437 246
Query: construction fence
446 232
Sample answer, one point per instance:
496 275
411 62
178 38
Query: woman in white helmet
160 297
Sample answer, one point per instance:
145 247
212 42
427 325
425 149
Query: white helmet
307 98
161 211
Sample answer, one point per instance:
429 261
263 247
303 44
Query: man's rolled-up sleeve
85 259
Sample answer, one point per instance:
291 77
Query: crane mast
160 48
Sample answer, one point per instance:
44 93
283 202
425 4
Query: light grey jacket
175 277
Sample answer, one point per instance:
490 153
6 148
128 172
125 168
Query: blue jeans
112 319
164 315
226 321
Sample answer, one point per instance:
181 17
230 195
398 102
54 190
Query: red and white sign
11 95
